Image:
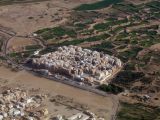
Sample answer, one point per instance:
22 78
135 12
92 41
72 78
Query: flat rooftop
81 64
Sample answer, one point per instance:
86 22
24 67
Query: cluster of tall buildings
84 65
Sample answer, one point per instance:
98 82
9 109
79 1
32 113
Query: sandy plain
102 106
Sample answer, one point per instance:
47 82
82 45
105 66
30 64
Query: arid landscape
52 89
117 32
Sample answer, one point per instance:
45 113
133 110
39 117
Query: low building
79 116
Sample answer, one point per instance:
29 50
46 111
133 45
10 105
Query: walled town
81 64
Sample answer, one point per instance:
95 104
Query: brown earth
102 106
17 43
29 17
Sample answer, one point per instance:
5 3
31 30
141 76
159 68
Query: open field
28 17
104 108
19 43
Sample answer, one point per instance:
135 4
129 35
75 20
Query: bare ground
102 106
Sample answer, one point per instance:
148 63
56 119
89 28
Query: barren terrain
28 81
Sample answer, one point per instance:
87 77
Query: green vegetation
154 4
146 36
111 88
129 54
98 5
80 26
90 39
129 66
13 54
50 33
87 32
128 76
102 26
107 25
83 24
106 51
128 8
2 58
155 56
138 112
1 43
33 47
122 35
21 56
47 50
103 47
